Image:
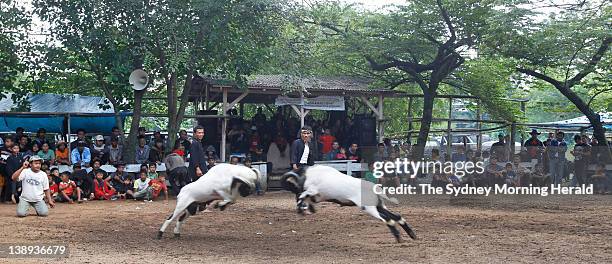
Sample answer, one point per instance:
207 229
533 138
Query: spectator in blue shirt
81 154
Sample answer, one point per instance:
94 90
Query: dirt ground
266 229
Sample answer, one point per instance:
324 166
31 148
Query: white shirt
33 185
140 185
304 158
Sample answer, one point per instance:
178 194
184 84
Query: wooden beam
233 103
370 105
381 118
224 127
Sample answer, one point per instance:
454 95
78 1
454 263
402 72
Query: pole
479 127
68 140
449 137
381 117
409 118
224 126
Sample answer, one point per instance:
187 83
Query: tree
421 42
562 51
14 27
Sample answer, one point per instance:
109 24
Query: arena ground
529 229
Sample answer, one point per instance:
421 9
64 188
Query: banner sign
329 103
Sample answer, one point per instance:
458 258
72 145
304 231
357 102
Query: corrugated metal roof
63 103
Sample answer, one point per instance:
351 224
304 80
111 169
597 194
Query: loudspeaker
211 135
365 126
139 79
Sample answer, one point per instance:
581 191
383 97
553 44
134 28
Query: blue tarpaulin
51 111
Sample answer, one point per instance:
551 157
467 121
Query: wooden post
512 140
68 139
381 117
479 127
224 126
410 118
449 136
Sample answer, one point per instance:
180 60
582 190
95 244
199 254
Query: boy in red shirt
326 141
68 190
159 185
53 188
102 189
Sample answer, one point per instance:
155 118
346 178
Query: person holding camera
35 187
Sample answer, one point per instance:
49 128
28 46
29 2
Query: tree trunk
129 147
428 103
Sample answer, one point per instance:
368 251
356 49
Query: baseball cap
34 158
99 137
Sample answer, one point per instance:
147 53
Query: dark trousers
580 171
178 178
7 190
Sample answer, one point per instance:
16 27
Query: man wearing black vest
302 151
197 160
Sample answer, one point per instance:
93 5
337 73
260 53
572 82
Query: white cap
99 137
34 158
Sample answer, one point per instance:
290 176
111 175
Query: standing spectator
122 181
142 190
41 137
46 154
179 150
62 154
81 154
354 153
534 146
100 150
35 188
177 171
156 153
600 180
68 190
115 152
326 141
556 157
142 151
460 156
13 162
197 162
80 138
102 189
581 153
498 149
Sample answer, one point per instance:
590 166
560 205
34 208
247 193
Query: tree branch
447 20
596 94
590 66
540 76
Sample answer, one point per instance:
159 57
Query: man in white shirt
35 186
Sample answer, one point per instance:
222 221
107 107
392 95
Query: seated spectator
46 154
100 150
523 174
341 154
55 175
600 180
95 167
510 177
24 144
116 133
331 154
156 153
68 190
102 189
157 136
234 160
40 137
494 172
211 162
62 154
115 152
83 181
453 179
157 186
122 181
152 172
460 156
381 154
34 149
81 154
539 177
53 188
142 190
354 153
142 151
184 141
179 150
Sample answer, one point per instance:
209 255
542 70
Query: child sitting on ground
510 175
142 190
102 189
123 182
55 176
68 190
158 185
152 174
53 187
